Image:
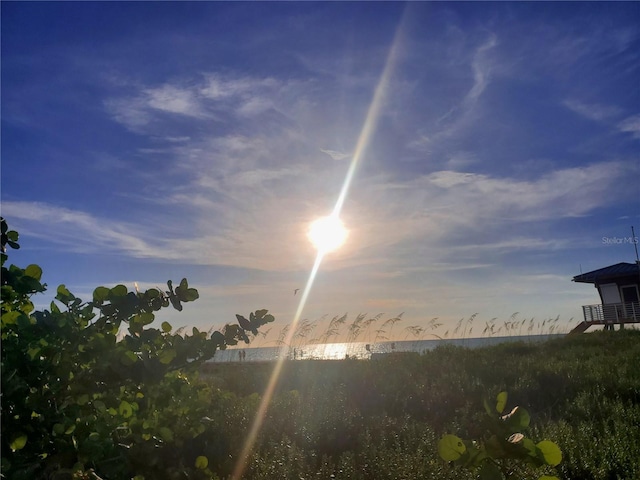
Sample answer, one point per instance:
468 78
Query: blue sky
145 141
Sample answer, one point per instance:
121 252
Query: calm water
338 351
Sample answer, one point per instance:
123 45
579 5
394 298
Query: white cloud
172 99
130 112
631 125
592 111
79 231
220 87
481 69
336 155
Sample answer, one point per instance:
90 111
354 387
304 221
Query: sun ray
368 128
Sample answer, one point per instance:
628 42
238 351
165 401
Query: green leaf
33 271
166 434
166 327
118 291
63 291
551 453
10 318
186 294
501 401
100 294
18 442
548 477
202 462
129 358
146 318
167 356
451 448
33 351
528 444
125 409
218 338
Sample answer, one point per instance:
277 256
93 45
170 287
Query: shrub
77 402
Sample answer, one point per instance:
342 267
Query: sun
327 233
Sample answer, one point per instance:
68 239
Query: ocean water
362 350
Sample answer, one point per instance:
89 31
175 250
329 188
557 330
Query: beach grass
364 419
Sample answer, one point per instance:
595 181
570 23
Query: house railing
612 313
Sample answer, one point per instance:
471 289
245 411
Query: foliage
360 419
503 447
76 401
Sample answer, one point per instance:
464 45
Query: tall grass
374 329
361 419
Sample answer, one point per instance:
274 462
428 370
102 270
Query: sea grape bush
79 403
504 448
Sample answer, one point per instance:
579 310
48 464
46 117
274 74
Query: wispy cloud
592 111
79 231
631 125
336 155
172 99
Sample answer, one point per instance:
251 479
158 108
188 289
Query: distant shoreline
363 350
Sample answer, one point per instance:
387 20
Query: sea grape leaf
528 444
501 401
167 356
10 318
18 442
202 462
33 271
166 434
550 452
118 291
186 294
451 448
125 409
100 294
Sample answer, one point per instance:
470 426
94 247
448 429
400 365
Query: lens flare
327 233
368 128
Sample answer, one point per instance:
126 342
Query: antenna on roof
634 239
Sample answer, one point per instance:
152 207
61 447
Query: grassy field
381 419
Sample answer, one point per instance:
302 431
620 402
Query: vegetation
374 329
383 419
76 402
504 449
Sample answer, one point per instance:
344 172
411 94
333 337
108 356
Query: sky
493 151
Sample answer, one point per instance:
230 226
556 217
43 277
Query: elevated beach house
619 289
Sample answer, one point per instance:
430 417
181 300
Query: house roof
610 273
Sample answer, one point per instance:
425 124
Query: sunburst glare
327 233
